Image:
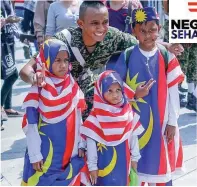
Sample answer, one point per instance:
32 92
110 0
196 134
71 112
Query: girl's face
114 94
61 64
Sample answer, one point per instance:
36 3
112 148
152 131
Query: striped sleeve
174 72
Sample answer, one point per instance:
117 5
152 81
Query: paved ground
13 142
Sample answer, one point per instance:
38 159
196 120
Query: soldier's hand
39 77
40 40
177 49
143 89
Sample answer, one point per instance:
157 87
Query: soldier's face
147 34
94 24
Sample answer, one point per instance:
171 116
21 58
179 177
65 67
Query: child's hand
134 165
38 166
81 152
94 176
170 132
143 89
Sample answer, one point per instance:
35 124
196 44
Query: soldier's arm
124 40
28 71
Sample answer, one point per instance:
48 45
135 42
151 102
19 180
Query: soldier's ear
80 23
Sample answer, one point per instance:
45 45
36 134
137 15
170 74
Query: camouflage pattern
115 41
188 61
166 30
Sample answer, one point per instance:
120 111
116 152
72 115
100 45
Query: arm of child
33 139
135 151
173 112
82 145
92 159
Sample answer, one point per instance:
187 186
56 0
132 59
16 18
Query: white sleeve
82 142
173 105
33 143
134 148
92 156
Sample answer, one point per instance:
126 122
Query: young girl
111 131
51 123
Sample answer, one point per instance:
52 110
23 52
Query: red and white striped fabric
108 124
174 72
54 107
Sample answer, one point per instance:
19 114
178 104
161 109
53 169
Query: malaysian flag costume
51 124
159 159
109 130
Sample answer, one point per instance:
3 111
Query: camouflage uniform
114 41
166 30
188 61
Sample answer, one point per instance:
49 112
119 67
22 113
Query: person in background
18 7
118 13
7 37
29 9
40 19
62 15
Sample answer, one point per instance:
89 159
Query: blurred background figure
9 72
29 9
120 13
40 19
18 6
27 25
61 15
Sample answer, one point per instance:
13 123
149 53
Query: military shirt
114 42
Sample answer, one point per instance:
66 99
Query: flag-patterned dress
55 110
160 107
111 127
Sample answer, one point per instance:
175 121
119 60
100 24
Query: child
51 123
160 144
111 131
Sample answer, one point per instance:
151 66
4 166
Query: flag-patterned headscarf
61 96
111 124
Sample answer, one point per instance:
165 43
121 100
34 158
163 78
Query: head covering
144 14
110 79
109 124
49 50
52 104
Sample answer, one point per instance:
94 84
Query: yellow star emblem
133 85
140 15
100 147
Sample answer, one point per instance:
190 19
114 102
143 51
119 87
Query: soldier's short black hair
89 4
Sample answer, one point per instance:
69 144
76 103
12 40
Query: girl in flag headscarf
111 132
52 122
